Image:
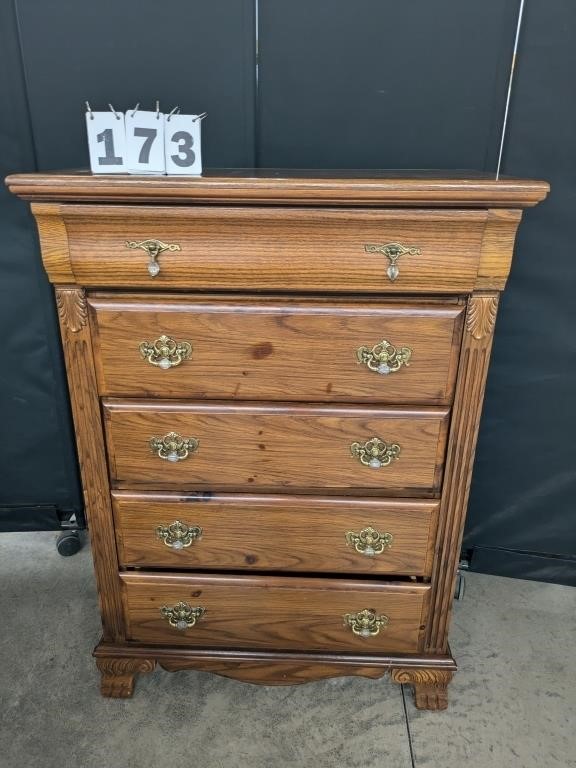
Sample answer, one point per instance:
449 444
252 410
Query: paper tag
182 145
145 142
106 142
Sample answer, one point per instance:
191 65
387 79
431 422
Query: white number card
145 142
106 142
182 144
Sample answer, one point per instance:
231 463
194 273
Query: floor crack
411 746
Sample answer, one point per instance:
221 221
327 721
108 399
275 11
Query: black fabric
37 455
524 483
383 84
374 83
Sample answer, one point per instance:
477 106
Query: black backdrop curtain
321 84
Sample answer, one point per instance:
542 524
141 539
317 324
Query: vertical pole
510 82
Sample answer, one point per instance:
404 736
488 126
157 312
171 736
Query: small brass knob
153 248
182 616
366 623
375 453
164 352
173 447
392 251
369 541
178 535
383 357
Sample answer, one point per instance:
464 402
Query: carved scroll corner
72 308
481 316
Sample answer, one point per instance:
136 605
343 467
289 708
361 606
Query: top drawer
367 251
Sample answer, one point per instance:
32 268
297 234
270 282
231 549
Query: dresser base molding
428 675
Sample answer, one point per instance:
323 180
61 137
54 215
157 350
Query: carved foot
118 675
430 685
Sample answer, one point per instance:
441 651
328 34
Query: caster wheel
460 586
68 543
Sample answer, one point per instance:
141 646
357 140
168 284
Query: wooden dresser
276 383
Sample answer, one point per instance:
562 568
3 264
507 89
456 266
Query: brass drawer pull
366 623
178 535
375 453
173 447
164 352
182 616
153 248
393 251
369 541
384 357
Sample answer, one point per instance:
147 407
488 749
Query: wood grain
497 249
275 667
275 532
117 675
474 361
91 455
274 248
285 187
275 396
273 446
430 686
275 612
54 243
276 350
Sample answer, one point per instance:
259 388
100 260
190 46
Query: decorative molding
472 371
481 316
118 675
72 308
272 672
430 685
77 346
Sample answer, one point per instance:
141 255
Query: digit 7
148 134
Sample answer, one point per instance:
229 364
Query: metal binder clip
89 110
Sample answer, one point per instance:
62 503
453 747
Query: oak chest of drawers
276 384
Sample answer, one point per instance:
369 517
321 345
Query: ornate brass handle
173 447
153 248
182 616
393 251
384 357
369 541
375 453
165 352
178 535
366 623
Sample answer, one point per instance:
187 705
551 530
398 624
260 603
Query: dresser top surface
396 188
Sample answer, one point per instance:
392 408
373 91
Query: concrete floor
513 702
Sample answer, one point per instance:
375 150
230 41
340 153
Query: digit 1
109 158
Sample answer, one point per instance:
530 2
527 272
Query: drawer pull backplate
173 447
153 248
383 357
182 616
164 352
369 541
366 623
178 535
393 251
375 453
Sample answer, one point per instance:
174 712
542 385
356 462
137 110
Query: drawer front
205 531
236 447
275 612
358 250
276 349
